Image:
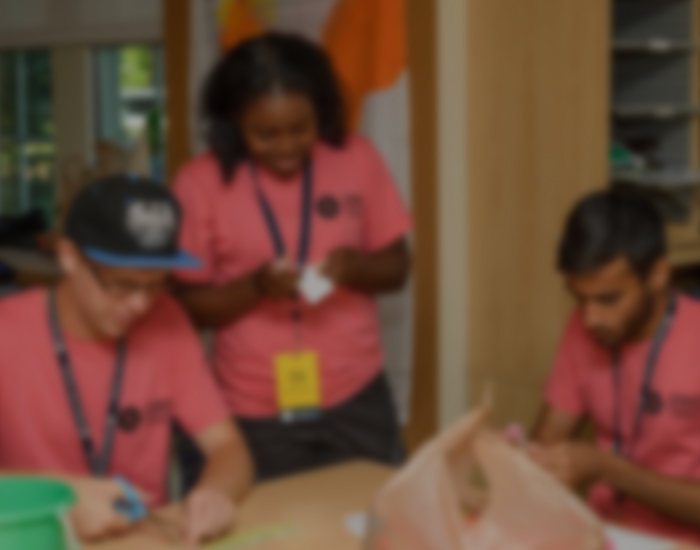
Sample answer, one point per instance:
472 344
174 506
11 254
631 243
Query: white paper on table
357 524
314 286
621 539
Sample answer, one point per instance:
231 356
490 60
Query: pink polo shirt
356 204
581 384
166 379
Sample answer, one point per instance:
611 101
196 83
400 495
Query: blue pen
131 505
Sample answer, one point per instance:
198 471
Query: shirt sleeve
564 390
197 401
194 192
386 218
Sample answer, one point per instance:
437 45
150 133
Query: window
27 164
130 109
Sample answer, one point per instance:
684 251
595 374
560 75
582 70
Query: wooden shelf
660 179
684 239
660 112
655 51
654 46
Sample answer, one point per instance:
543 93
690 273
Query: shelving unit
655 110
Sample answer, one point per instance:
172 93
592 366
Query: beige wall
452 204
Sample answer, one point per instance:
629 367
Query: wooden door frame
422 46
176 41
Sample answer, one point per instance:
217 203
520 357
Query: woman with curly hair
285 197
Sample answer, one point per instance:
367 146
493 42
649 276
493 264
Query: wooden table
314 506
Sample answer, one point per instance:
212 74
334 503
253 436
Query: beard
634 326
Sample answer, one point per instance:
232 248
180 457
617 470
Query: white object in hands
357 524
314 286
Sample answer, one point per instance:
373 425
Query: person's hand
515 436
574 464
343 266
95 516
277 279
208 514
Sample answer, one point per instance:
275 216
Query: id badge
298 382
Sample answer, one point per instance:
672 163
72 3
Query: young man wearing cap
629 362
94 371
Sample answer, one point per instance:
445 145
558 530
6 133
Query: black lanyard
646 394
98 463
271 220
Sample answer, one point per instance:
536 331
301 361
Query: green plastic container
34 514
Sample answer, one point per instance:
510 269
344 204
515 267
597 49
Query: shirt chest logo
328 207
653 402
131 418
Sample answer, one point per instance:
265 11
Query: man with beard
629 363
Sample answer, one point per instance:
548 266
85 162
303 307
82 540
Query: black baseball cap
128 221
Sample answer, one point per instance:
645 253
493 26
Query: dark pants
366 426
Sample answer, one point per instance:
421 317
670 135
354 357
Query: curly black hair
272 61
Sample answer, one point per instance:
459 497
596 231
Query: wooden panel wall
538 135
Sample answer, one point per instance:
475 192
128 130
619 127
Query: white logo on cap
152 223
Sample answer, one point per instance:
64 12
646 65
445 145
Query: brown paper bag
470 469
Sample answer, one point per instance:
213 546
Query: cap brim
180 260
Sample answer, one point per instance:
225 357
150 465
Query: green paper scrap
251 537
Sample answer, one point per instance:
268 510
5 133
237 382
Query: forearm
554 426
216 306
677 498
230 470
545 433
384 271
